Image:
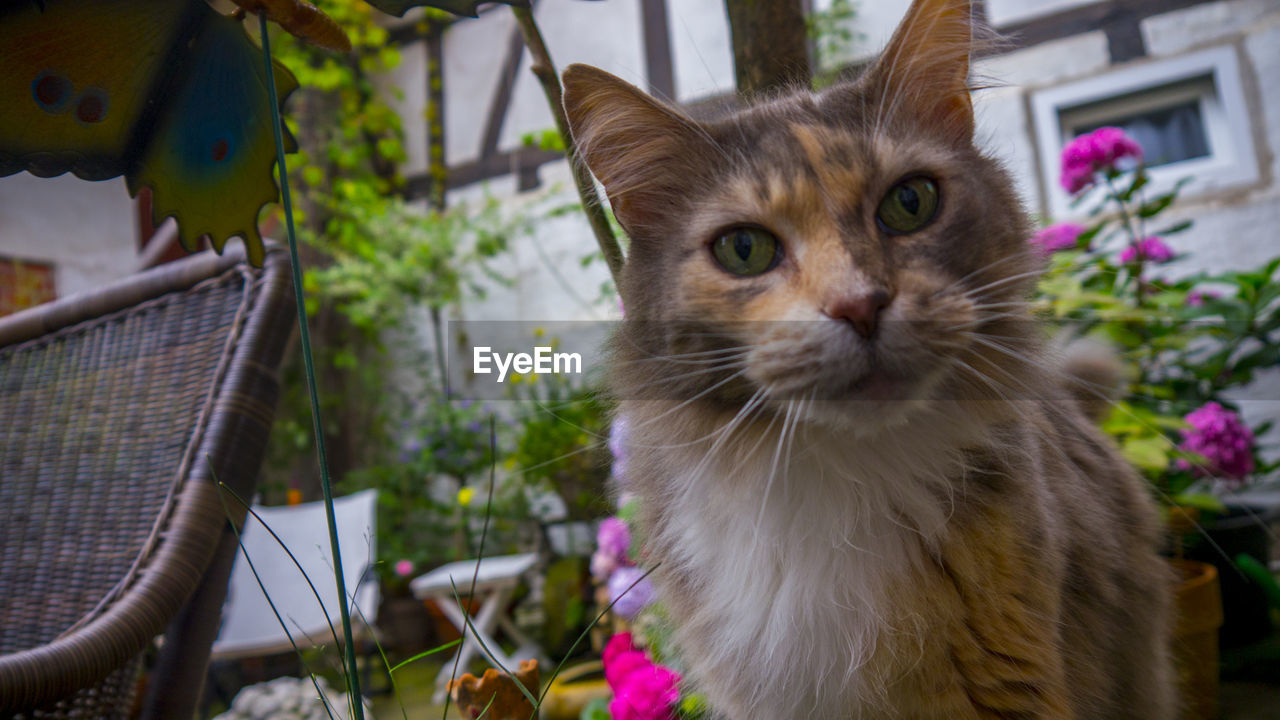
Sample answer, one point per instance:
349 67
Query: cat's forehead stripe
831 158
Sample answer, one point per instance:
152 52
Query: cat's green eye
909 205
747 251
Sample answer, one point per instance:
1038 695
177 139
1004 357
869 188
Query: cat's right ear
641 150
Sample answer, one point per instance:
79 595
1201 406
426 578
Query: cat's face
846 246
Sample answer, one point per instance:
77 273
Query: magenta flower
649 692
623 664
603 564
613 541
1149 249
642 689
616 645
403 568
1222 438
614 537
1106 148
1053 238
1197 298
630 591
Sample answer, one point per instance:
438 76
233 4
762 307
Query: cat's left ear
643 151
924 71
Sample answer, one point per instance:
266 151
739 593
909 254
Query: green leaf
1203 501
1175 229
1156 206
1148 453
597 709
1140 180
457 7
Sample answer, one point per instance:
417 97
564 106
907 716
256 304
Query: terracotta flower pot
1198 605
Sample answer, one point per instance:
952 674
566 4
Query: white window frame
1212 75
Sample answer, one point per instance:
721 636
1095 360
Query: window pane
1167 135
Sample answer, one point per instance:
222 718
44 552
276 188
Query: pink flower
649 692
642 690
613 536
617 645
1197 298
622 665
403 568
630 591
1103 149
1053 238
1222 438
603 564
1151 249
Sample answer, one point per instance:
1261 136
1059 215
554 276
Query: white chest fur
785 557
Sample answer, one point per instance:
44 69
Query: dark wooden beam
501 100
657 49
1119 19
524 162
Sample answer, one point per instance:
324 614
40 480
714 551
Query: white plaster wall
1180 30
1004 12
701 53
556 247
604 34
86 229
474 50
1049 63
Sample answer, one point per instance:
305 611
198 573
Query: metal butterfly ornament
171 95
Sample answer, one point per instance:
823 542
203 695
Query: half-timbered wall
680 49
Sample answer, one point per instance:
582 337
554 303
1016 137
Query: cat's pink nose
861 310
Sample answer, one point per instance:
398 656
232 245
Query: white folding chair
496 579
250 628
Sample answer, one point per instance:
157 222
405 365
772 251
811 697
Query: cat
864 483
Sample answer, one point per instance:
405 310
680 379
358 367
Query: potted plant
1186 342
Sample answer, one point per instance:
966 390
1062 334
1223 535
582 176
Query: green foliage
546 139
597 709
1186 341
831 32
389 257
564 602
424 504
559 447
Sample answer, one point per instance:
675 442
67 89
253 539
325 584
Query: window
1168 134
1188 113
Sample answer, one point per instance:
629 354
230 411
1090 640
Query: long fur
916 523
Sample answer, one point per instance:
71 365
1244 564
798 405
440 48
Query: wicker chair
117 410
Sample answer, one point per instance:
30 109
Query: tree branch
545 71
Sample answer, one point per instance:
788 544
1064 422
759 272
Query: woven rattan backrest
95 423
104 424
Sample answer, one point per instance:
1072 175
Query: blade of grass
314 592
355 605
466 618
353 677
484 533
279 619
425 653
585 633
